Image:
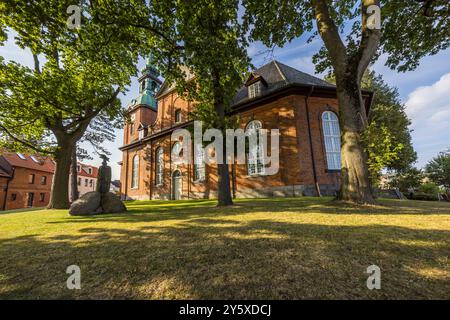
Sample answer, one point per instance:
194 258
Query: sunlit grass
266 248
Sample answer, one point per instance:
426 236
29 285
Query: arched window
135 172
159 162
332 138
255 163
199 163
176 149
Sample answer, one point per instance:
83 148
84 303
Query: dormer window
90 170
21 156
254 90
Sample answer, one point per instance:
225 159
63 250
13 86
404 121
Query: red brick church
304 109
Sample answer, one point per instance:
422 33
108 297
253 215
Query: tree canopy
72 89
438 169
354 34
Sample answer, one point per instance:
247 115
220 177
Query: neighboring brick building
87 179
25 181
303 108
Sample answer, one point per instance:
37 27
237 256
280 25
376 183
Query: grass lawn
258 249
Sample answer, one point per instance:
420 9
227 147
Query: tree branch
25 143
330 35
370 40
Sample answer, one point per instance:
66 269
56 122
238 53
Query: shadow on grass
139 211
210 258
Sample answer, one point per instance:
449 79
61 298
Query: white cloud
429 110
434 97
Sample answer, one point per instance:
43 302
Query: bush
429 188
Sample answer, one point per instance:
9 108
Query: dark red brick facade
287 109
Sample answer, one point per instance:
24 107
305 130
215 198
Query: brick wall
295 177
21 188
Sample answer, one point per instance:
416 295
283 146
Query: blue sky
425 92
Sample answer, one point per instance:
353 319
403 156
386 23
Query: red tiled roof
84 173
44 163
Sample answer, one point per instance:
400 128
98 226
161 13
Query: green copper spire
149 85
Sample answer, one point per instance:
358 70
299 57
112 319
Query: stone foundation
270 192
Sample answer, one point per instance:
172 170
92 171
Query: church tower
144 108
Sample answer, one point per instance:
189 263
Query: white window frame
177 113
255 157
254 90
199 164
135 172
332 140
159 167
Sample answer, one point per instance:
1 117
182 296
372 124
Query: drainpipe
6 190
311 143
126 177
151 170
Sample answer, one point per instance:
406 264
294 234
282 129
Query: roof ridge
279 70
300 71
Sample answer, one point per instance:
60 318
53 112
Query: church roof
278 75
274 75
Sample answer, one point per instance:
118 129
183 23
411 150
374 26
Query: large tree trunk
223 173
224 191
74 176
355 185
59 198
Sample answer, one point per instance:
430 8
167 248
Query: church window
332 139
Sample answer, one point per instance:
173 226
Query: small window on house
90 170
78 168
131 128
31 178
79 181
43 180
13 196
254 90
35 160
143 85
42 197
91 183
86 181
177 116
21 156
141 134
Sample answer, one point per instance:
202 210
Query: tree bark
223 174
74 194
59 198
355 182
